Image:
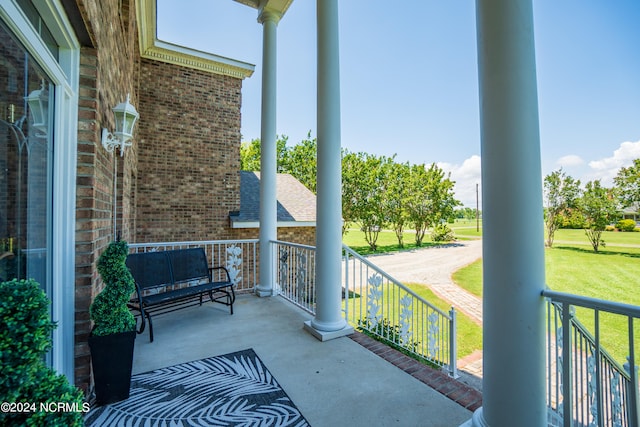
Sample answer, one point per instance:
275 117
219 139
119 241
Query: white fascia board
277 6
181 55
245 224
296 223
280 224
153 48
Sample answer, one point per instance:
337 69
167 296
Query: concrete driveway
433 267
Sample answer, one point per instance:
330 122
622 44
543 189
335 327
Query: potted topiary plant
113 335
26 381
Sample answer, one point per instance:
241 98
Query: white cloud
466 176
569 160
607 168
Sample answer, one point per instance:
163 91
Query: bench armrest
211 269
140 307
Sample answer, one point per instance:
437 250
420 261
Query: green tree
431 198
466 213
250 153
396 197
599 206
301 161
443 198
368 199
351 165
572 219
418 205
561 192
628 184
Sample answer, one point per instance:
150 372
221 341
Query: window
39 69
41 27
25 165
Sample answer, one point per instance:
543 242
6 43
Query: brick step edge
467 397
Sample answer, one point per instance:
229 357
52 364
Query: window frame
64 73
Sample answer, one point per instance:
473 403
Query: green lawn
571 266
387 241
469 334
469 337
467 229
612 238
611 274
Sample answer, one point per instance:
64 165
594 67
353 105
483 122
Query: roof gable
296 203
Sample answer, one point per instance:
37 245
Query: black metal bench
170 280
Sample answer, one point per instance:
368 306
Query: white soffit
278 6
152 48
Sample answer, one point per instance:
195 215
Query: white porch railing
372 301
586 386
295 268
238 256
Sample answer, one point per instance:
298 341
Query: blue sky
409 82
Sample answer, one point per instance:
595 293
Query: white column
513 390
328 322
268 156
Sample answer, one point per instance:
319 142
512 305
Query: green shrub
626 225
391 335
25 334
109 310
388 333
572 219
49 388
442 233
25 337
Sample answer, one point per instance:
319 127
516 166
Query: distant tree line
593 207
467 213
377 191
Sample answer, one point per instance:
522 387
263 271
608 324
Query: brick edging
462 394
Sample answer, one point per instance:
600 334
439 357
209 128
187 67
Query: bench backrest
154 269
150 269
189 264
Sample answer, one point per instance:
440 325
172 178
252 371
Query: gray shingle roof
296 203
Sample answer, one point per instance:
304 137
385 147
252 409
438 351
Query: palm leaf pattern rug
235 389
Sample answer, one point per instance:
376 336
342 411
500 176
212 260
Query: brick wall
108 71
180 179
188 155
300 235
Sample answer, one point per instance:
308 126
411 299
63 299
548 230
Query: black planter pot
112 359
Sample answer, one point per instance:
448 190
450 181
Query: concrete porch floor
333 383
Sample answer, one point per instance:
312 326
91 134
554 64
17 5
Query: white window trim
65 76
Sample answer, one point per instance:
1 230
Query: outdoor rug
235 389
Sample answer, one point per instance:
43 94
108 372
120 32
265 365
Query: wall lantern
38 101
126 117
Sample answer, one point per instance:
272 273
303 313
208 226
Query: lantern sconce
126 117
38 101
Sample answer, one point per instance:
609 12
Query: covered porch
514 276
337 382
